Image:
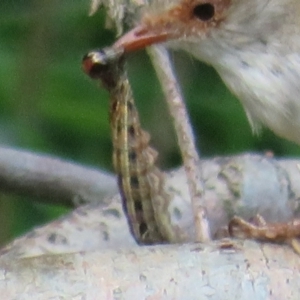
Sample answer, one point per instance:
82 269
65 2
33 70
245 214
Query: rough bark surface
246 271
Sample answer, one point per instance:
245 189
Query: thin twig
163 67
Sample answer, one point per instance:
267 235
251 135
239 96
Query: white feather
257 54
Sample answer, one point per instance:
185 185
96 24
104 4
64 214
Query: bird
254 45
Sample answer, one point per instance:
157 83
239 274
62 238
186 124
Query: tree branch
51 179
243 185
246 270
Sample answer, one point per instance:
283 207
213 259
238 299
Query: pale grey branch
246 270
243 185
51 179
239 185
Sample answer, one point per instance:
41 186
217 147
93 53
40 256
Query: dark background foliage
48 105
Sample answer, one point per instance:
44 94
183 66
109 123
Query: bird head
202 26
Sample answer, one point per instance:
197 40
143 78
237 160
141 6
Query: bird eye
204 11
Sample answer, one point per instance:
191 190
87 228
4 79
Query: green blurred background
48 105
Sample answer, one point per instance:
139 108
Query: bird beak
141 37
